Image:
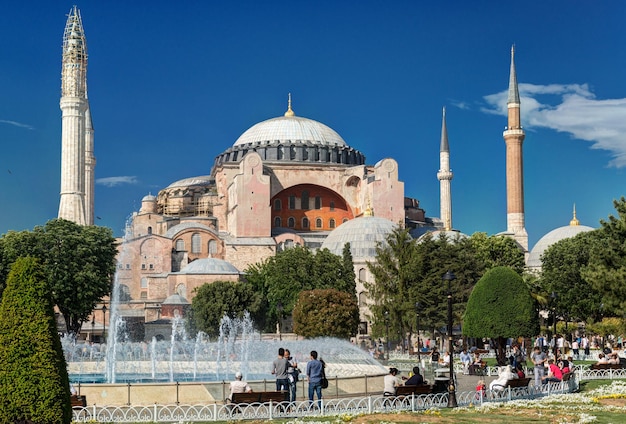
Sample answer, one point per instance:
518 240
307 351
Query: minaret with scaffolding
77 161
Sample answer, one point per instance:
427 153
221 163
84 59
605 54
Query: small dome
290 128
149 198
558 234
175 299
193 181
209 266
362 233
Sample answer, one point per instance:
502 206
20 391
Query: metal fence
325 407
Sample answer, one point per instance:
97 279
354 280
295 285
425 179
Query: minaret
445 176
74 107
90 164
514 138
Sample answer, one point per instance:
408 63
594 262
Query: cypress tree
34 384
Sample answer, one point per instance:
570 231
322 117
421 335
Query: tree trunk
501 351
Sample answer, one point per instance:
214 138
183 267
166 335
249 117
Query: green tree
281 278
214 300
34 385
500 306
327 312
497 250
562 266
79 263
606 270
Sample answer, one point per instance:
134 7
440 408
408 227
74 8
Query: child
480 389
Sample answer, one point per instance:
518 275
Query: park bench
78 401
515 383
422 389
607 366
260 397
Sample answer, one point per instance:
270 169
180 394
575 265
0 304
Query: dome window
277 205
195 243
305 222
332 205
318 202
291 222
180 245
318 223
292 202
277 222
305 200
331 223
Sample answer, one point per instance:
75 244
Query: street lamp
387 334
417 319
279 309
104 322
449 276
93 324
554 296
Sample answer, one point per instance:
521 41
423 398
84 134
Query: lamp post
279 309
104 322
554 296
387 334
449 276
93 324
417 323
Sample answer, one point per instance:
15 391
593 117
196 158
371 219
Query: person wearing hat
238 386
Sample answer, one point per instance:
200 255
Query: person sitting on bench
416 379
238 386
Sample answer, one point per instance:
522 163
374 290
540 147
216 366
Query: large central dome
290 128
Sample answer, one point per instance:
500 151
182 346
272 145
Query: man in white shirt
239 386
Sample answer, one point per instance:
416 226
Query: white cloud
571 109
115 181
17 124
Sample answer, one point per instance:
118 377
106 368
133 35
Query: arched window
181 290
278 222
149 230
318 202
195 243
362 274
292 202
124 293
180 245
318 223
291 222
278 205
305 222
362 298
332 205
344 220
304 202
331 223
212 247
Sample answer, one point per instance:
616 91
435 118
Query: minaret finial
368 211
289 110
574 222
513 88
444 133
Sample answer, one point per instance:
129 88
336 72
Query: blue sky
173 84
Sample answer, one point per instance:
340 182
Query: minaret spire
445 177
74 106
514 138
290 111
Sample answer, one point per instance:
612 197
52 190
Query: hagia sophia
286 181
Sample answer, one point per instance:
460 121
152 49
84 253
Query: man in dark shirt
416 379
314 372
280 366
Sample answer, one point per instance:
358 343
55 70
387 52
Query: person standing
314 372
280 370
539 358
292 375
466 360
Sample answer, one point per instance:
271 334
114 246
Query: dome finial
368 211
289 110
574 220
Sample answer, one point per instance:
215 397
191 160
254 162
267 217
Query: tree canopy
78 261
327 312
499 307
281 278
214 300
34 385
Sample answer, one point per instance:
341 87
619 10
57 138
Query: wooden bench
607 366
515 383
260 397
567 376
78 401
422 389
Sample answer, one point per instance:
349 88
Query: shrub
34 384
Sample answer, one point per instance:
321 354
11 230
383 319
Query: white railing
325 407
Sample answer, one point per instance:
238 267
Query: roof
193 181
210 266
363 234
558 234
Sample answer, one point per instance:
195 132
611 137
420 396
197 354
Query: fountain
238 348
